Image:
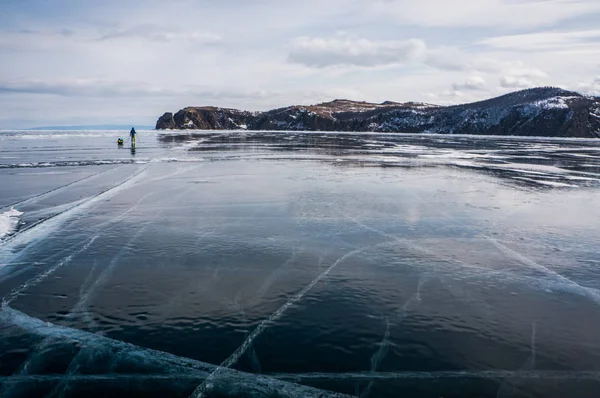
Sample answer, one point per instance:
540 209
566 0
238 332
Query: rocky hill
545 111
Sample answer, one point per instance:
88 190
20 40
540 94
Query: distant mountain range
94 127
543 111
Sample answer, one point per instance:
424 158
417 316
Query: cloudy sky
67 62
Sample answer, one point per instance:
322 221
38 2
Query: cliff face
535 112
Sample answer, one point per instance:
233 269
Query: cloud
82 88
519 77
482 13
590 88
543 41
160 34
93 89
447 58
95 37
349 51
124 59
473 83
344 50
515 82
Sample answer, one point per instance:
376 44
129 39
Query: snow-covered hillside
545 111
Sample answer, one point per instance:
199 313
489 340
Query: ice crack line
41 195
12 296
440 375
574 287
171 367
43 226
79 205
378 357
509 385
591 294
233 358
81 308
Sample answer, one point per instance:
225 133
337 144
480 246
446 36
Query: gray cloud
160 34
544 40
518 78
483 13
515 82
140 60
348 51
91 88
81 88
447 59
590 88
473 83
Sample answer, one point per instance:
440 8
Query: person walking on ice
132 136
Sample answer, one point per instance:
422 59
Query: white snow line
82 305
378 357
178 172
528 366
122 215
41 328
381 353
533 350
233 358
437 375
12 296
174 366
54 378
587 292
8 388
570 286
254 361
253 385
49 223
79 205
262 290
591 294
54 190
61 387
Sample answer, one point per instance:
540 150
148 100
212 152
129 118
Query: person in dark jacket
132 135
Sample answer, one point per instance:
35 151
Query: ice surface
439 375
350 262
41 228
233 358
163 365
9 298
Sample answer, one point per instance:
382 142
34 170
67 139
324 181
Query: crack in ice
12 296
233 358
175 367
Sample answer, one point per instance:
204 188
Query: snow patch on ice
546 182
9 221
530 168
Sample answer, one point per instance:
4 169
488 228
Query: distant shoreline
541 111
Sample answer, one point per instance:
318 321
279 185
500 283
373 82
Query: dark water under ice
298 264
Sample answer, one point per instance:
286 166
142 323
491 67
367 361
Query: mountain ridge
542 111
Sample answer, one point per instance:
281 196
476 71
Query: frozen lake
238 264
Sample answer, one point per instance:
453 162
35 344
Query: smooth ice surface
298 264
